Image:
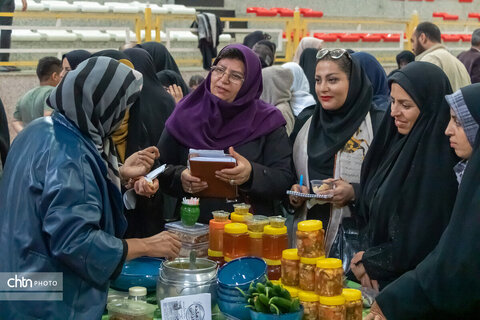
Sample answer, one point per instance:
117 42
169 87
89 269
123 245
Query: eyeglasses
334 54
234 77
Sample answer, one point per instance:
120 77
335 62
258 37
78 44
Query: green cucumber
263 299
274 309
283 304
259 307
295 306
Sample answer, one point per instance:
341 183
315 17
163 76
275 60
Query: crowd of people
402 152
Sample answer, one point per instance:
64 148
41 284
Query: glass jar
235 241
307 273
332 308
275 240
216 256
329 277
309 301
255 243
137 294
189 214
216 230
353 304
310 239
290 267
273 269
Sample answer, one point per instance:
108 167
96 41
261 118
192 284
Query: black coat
471 60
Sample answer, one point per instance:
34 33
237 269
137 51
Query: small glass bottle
137 294
235 241
307 273
275 240
309 301
216 256
273 269
310 239
290 267
353 304
332 308
329 277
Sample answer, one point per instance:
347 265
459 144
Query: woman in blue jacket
60 201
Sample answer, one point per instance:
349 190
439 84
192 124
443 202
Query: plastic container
240 218
197 233
216 256
189 214
241 208
275 240
353 304
273 269
332 308
310 239
215 237
290 267
255 243
309 301
235 241
137 294
307 273
220 215
277 221
131 310
322 187
257 223
329 277
200 248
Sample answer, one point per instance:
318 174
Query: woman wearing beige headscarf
307 42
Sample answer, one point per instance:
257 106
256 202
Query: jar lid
235 217
271 262
236 228
137 291
218 225
329 263
255 235
275 231
278 282
216 254
309 260
307 296
332 301
292 290
290 254
310 225
352 294
227 259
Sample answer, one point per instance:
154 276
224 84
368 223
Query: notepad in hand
203 164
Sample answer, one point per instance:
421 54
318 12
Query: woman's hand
298 201
176 92
237 175
375 313
192 184
145 188
360 273
343 192
163 244
139 164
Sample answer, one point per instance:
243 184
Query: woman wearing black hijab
308 61
162 59
72 59
169 77
408 186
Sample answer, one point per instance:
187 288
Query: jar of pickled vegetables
216 229
235 241
290 267
273 269
353 304
255 243
309 301
216 256
329 277
307 273
240 218
332 308
274 242
241 208
310 239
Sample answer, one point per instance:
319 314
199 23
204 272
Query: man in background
427 46
471 58
6 35
33 104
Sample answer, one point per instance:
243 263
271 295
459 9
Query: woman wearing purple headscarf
225 113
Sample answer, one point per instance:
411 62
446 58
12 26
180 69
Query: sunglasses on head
334 54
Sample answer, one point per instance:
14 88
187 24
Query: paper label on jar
192 307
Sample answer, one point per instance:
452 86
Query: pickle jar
290 267
273 269
275 240
353 304
306 272
309 301
255 243
216 256
332 308
310 239
216 229
235 241
329 277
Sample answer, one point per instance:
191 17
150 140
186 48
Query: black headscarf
169 77
4 134
75 57
265 50
254 37
162 59
114 54
408 183
152 109
308 62
331 130
446 284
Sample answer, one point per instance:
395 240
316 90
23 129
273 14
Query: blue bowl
230 292
286 316
234 309
241 272
141 272
229 297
